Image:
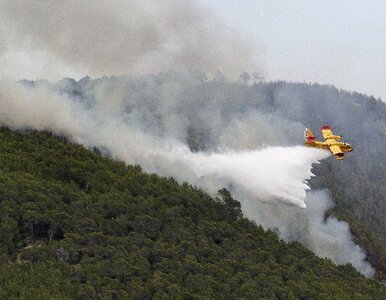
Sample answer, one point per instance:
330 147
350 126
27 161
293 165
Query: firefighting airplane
330 142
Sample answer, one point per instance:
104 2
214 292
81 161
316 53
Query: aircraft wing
336 151
327 133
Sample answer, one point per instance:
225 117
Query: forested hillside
358 184
210 112
215 114
75 225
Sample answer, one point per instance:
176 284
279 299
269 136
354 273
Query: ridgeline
76 225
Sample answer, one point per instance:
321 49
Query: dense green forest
215 114
76 225
218 113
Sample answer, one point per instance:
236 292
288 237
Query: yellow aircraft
330 142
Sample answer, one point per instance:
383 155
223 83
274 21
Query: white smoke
264 179
150 120
327 237
115 37
275 173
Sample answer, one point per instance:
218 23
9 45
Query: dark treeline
75 225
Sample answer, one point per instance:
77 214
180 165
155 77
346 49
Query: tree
245 77
232 206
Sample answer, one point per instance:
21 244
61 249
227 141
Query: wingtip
326 127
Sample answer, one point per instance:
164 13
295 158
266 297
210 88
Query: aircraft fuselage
331 142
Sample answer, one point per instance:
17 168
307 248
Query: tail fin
308 136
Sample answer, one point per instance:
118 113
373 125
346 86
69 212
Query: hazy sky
338 42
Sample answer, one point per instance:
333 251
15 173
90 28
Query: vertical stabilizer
308 136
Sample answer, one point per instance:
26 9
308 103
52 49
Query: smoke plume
109 38
267 176
211 133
